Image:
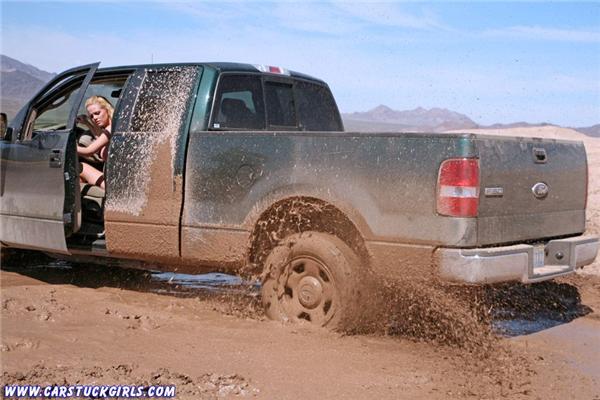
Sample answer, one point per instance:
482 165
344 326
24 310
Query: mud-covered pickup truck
247 168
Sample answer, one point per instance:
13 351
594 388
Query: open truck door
39 181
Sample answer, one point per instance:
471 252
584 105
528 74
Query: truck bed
390 180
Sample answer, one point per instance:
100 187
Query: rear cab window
239 103
281 108
265 102
317 110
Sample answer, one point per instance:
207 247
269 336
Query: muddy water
525 309
448 314
51 270
464 321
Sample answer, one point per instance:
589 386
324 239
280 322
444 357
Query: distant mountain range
593 130
19 82
419 119
384 119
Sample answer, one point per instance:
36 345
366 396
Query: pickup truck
247 169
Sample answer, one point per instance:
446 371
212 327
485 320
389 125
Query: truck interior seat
237 114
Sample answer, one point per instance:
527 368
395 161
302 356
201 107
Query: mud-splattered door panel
144 169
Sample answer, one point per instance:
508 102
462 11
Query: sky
493 61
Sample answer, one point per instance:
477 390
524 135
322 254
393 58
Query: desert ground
84 324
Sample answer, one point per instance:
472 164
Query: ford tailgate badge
540 190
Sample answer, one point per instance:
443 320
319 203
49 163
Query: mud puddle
422 311
55 271
174 283
517 309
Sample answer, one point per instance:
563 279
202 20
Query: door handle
56 158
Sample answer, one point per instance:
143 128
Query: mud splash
425 311
456 319
156 121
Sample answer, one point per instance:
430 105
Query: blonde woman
99 120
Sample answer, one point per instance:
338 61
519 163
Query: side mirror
3 125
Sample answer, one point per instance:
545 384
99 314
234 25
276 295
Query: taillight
458 187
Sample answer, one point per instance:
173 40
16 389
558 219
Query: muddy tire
311 277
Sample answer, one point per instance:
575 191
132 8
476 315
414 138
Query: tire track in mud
452 317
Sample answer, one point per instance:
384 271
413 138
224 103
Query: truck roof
220 66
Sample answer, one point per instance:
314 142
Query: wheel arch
300 213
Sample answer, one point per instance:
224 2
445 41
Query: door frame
42 221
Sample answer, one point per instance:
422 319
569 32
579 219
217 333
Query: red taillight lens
458 187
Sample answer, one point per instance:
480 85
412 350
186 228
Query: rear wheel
312 277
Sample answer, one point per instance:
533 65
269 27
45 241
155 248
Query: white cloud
224 11
335 18
542 33
390 14
313 17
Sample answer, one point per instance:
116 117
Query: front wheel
311 276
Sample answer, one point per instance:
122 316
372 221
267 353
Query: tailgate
530 189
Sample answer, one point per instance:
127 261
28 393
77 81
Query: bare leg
91 175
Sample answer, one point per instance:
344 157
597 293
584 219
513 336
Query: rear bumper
522 262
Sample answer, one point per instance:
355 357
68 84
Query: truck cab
160 113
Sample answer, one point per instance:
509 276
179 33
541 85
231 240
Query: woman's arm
96 145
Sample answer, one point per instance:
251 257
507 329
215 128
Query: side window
281 110
54 108
53 113
239 103
316 108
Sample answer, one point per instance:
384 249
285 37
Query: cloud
54 49
333 18
314 18
550 34
225 11
390 15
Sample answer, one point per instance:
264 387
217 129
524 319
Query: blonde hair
102 102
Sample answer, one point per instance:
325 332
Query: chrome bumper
522 262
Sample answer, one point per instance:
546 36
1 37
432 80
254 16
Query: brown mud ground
101 325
